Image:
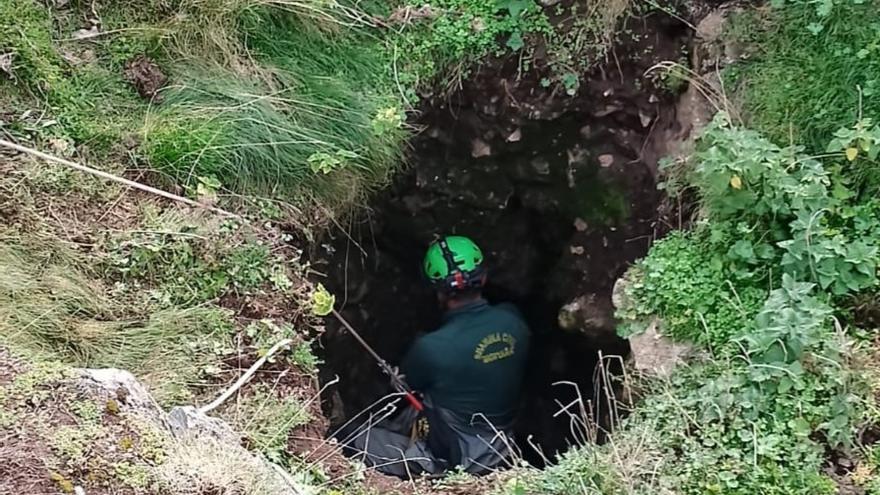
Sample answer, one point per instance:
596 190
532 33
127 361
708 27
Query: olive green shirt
474 363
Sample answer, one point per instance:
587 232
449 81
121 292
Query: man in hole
469 372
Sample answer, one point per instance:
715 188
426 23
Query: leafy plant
322 301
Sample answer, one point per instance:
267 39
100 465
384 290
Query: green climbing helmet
454 263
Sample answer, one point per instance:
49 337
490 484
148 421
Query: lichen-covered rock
188 421
655 354
651 352
119 387
591 314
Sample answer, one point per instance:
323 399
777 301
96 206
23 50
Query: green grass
54 308
89 98
801 87
308 121
267 419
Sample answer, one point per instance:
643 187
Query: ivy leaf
852 153
815 28
515 42
824 8
515 7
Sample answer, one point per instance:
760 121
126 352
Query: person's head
454 266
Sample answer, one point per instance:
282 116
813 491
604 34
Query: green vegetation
786 239
290 100
305 103
753 284
267 419
816 68
53 308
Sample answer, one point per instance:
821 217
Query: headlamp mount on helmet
457 280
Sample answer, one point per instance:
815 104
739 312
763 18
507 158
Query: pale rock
586 131
577 155
576 250
655 354
515 136
590 314
120 386
645 119
712 26
608 110
84 34
480 148
187 420
580 224
6 63
606 160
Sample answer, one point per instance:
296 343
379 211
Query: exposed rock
514 136
655 354
619 298
606 160
580 224
409 14
540 165
577 156
590 314
586 132
711 52
84 34
6 63
187 420
608 110
651 352
480 148
577 250
146 76
120 387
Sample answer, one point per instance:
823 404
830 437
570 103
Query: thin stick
104 175
284 476
244 378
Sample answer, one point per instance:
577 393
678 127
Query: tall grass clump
314 117
52 307
811 60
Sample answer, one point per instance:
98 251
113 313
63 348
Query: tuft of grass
267 419
199 465
52 308
803 82
312 127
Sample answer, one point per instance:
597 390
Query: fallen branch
244 378
114 178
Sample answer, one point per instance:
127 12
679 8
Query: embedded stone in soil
561 206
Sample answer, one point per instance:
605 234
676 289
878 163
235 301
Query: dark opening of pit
561 198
